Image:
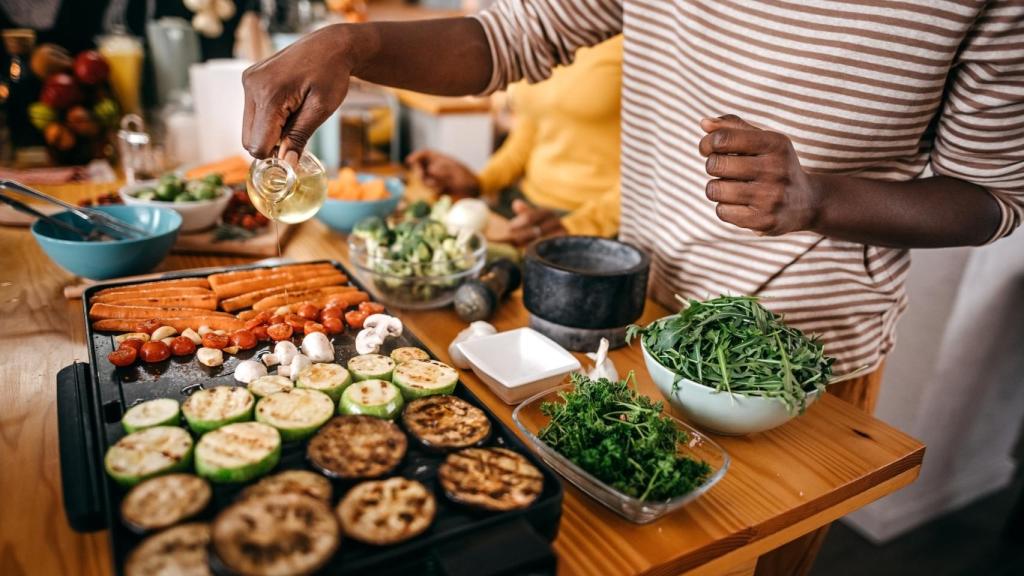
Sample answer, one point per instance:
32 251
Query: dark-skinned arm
759 184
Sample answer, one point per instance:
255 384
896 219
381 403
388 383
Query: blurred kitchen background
71 70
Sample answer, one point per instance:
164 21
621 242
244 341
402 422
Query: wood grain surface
782 484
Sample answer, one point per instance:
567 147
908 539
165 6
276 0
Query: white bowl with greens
732 367
200 202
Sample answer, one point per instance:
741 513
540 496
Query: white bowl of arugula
733 367
617 446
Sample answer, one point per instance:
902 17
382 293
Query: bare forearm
927 213
448 56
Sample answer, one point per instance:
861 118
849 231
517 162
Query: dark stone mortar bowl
585 282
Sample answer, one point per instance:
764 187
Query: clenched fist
757 179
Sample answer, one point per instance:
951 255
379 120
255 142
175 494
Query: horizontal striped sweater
890 90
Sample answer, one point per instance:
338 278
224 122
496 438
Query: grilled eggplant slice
209 409
147 453
177 551
164 501
238 452
419 378
446 422
279 534
352 447
267 385
301 482
297 413
407 353
158 412
490 478
371 367
388 511
331 379
378 398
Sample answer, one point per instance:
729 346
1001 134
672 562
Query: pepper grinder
477 299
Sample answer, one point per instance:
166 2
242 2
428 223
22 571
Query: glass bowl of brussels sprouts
200 202
414 264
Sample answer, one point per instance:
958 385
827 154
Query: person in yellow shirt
563 151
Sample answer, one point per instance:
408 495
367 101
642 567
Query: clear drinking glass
286 193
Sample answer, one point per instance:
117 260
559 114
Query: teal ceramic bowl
342 215
113 258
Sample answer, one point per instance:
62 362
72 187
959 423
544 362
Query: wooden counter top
781 484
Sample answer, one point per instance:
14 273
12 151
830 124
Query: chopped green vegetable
734 344
621 438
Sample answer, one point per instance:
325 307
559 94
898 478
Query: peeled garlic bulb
197 5
224 9
207 24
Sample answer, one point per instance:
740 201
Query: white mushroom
299 363
269 360
376 329
249 370
284 351
210 357
318 347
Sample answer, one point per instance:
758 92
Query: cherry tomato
333 325
309 311
279 331
331 312
133 343
182 346
258 320
260 332
123 356
295 321
148 326
244 339
371 308
214 340
275 319
355 318
312 326
155 352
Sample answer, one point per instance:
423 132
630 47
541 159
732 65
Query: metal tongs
101 222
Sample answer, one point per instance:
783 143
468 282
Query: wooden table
781 485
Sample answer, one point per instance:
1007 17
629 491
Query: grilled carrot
178 323
228 277
248 285
159 284
100 311
282 298
328 283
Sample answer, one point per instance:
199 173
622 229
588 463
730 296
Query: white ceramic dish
518 363
719 412
195 216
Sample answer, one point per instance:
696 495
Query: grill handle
81 476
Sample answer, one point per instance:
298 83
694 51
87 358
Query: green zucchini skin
351 403
193 408
318 407
156 442
220 458
331 379
133 414
371 367
420 378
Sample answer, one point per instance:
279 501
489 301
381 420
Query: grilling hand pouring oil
286 193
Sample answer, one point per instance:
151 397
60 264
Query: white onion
467 214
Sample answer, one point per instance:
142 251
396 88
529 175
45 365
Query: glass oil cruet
286 193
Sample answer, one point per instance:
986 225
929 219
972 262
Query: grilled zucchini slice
297 413
147 453
158 412
388 511
371 367
209 409
490 478
181 551
301 482
407 353
331 379
378 398
445 422
238 452
164 501
351 447
271 535
267 385
419 378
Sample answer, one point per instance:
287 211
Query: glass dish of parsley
618 446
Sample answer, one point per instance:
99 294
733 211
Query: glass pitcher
286 193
